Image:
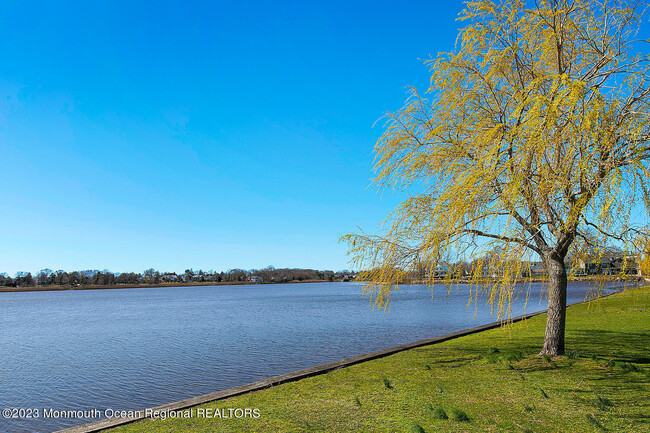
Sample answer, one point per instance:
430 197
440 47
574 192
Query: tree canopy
533 135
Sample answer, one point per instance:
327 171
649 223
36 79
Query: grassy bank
487 382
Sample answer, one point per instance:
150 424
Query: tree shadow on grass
620 346
602 345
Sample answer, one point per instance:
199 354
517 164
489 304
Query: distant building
580 268
441 270
256 279
533 269
170 278
624 265
537 269
613 265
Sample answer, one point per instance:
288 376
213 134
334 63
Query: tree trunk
556 317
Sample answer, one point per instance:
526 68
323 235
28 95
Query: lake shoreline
53 288
146 286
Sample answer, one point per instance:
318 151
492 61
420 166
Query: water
128 349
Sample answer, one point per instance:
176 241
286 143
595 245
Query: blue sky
210 135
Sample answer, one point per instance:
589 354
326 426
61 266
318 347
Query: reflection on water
138 348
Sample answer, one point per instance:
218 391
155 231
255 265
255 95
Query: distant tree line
270 274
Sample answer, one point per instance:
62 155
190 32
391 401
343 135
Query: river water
128 349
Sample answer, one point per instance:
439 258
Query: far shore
53 288
544 279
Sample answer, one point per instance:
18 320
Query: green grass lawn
487 382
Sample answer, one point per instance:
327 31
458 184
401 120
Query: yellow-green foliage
533 136
644 257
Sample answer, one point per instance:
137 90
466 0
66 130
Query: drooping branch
521 242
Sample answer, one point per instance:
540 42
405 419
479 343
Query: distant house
624 265
612 265
533 269
256 279
441 270
579 268
537 269
170 278
605 265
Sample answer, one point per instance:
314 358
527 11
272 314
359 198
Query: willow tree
532 137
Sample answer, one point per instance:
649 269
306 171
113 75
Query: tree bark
556 316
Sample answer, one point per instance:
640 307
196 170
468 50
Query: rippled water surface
139 348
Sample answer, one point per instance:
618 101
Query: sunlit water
137 348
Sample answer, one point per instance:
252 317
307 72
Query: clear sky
213 135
